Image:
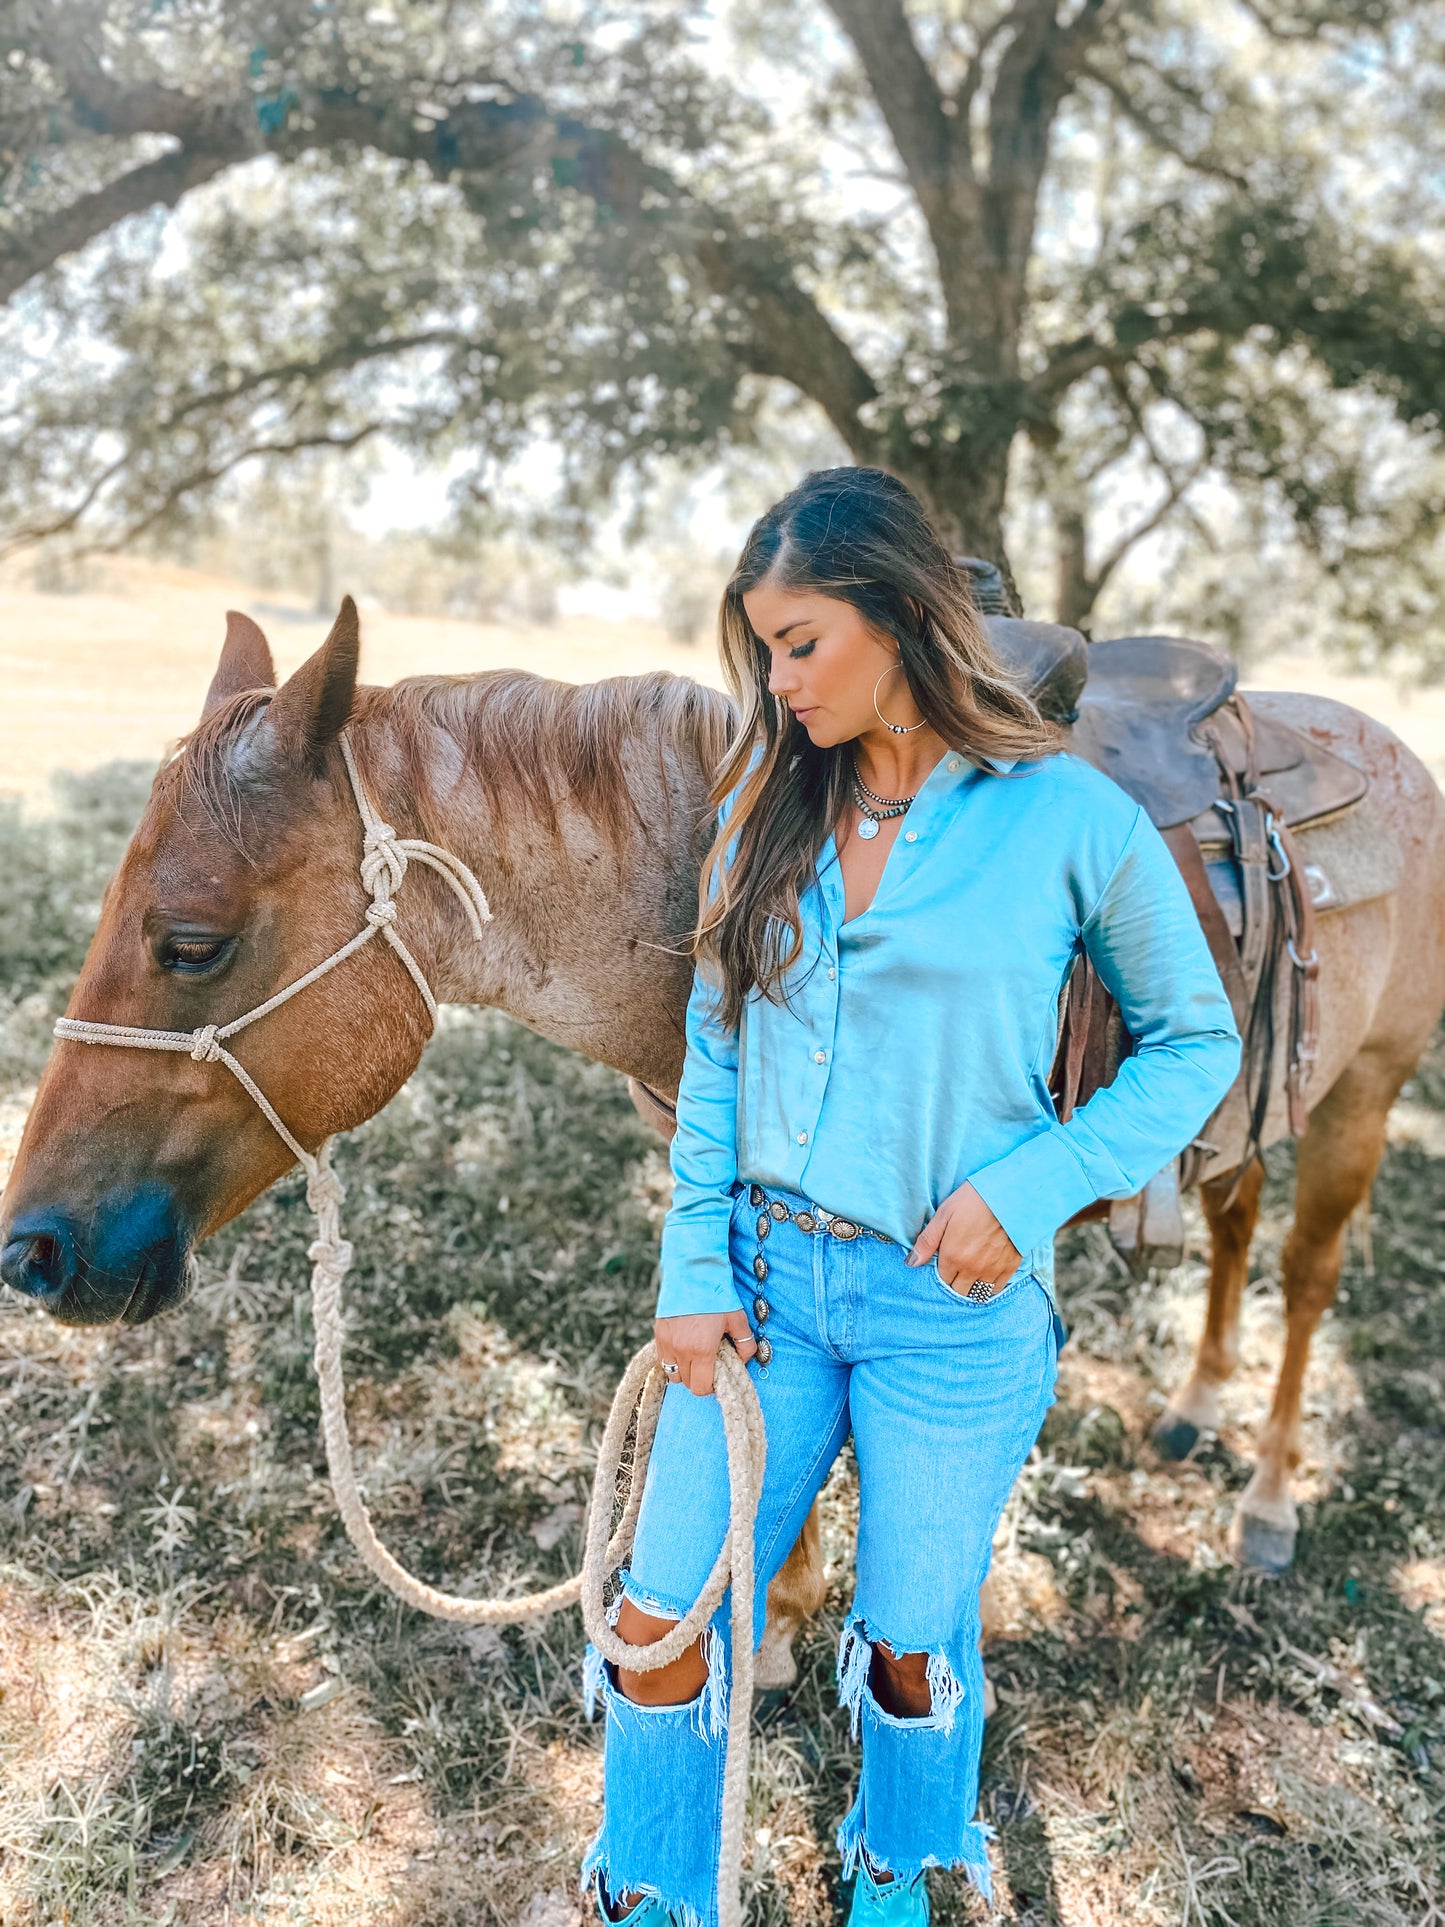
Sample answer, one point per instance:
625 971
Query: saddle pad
1349 858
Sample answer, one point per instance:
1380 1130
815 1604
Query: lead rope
635 1408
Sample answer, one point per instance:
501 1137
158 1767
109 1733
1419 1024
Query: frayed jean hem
919 1775
640 1846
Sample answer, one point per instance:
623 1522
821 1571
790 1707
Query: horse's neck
585 944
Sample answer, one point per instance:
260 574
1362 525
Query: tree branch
933 147
1134 113
205 476
1178 487
1035 73
158 183
790 337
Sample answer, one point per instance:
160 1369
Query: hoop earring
896 729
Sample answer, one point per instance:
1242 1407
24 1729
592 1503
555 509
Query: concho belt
810 1220
814 1219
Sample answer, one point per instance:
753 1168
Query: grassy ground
207 1714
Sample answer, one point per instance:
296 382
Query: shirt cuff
1035 1188
697 1271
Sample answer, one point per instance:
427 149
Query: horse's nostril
35 1265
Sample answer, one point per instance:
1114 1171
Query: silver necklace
874 809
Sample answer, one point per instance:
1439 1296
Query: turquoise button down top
916 1054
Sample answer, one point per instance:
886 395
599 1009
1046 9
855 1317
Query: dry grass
207 1714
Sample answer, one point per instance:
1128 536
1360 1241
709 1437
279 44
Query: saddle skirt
1270 829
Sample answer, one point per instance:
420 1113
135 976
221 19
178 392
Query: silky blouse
913 1051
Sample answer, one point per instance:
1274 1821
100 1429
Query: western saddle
1227 788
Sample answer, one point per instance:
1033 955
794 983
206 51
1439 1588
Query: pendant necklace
874 809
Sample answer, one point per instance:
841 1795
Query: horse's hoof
774 1667
1174 1437
1265 1547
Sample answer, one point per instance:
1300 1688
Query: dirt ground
210 1718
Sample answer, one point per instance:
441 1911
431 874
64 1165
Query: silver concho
867 828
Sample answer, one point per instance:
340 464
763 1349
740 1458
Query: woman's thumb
927 1241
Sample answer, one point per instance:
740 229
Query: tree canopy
1110 249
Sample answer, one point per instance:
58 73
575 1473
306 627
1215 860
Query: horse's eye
191 955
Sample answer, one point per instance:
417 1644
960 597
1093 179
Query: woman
869 1170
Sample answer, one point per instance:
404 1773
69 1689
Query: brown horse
584 811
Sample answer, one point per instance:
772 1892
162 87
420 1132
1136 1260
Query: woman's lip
801 713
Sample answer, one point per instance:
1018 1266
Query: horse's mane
530 744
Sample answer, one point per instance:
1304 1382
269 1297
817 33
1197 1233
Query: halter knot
382 910
324 1188
335 1253
383 860
205 1045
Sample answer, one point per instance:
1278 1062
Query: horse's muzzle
131 1259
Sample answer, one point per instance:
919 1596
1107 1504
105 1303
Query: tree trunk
962 487
1077 591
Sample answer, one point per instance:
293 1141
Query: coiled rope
385 858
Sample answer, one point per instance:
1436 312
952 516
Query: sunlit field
208 1713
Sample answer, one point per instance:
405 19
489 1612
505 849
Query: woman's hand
969 1240
691 1344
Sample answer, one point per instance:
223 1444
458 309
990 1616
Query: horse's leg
1195 1407
1338 1156
796 1593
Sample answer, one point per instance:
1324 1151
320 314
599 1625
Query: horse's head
242 875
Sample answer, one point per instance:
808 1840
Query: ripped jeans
944 1397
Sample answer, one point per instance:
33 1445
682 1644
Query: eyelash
803 649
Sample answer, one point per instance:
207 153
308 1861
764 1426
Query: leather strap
1184 848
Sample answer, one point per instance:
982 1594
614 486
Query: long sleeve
696 1266
1145 941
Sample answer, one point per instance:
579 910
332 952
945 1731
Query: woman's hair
860 536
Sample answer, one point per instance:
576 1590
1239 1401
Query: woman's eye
803 649
193 953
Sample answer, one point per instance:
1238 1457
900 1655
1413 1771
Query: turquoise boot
649 1912
902 1903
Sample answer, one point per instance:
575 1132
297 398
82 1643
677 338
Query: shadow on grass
1154 1757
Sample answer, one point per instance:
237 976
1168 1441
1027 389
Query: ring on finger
669 1368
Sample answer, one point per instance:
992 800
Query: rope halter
385 859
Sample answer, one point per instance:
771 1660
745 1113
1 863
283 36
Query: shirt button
953 762
831 971
820 1057
910 836
802 1137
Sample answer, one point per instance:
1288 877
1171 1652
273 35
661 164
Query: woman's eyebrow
796 623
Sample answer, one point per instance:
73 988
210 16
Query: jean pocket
956 1297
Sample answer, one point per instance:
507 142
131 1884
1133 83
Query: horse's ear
311 708
245 662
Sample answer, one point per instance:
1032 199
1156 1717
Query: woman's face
826 662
